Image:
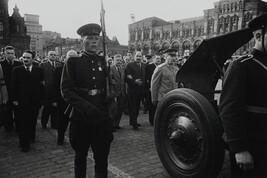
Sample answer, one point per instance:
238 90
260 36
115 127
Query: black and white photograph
133 89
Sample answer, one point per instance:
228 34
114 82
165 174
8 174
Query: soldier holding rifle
83 86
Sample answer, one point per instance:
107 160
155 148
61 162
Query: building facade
63 45
13 29
151 34
34 30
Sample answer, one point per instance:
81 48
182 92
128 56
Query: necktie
28 69
119 70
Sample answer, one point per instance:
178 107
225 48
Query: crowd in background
23 95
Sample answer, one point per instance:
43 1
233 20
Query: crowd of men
30 85
26 85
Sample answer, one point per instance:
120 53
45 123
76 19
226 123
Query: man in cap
243 107
164 76
83 86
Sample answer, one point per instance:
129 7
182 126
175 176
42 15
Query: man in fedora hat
82 86
243 107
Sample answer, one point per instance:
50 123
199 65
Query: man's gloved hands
244 160
95 115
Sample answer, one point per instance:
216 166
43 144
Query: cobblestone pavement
133 155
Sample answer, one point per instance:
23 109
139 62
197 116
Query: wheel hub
185 138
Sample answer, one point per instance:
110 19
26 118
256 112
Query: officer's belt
95 92
256 109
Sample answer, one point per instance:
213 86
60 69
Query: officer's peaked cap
258 22
148 56
160 51
171 51
90 29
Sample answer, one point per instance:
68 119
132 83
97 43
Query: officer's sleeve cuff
237 146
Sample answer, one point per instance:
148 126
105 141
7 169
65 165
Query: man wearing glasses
83 86
27 86
49 100
7 65
164 76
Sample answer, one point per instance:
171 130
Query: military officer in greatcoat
243 107
83 88
163 79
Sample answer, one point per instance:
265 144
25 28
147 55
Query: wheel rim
183 137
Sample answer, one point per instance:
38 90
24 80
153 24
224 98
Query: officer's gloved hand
92 112
95 115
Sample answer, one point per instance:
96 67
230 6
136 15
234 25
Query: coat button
93 69
93 78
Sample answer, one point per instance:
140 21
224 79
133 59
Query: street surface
133 155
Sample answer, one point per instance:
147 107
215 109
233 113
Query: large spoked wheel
188 135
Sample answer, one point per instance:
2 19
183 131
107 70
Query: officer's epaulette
161 65
245 58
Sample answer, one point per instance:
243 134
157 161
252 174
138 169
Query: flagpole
102 20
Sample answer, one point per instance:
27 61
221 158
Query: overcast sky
66 16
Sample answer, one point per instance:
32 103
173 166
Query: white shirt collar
29 67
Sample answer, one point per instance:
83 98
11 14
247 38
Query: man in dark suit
117 77
82 85
149 72
27 83
49 100
7 65
135 78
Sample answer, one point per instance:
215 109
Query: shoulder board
245 58
161 65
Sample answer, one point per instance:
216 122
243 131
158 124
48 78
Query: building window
146 34
18 29
156 47
133 35
199 31
240 5
234 23
196 44
185 47
221 25
227 24
1 27
139 35
165 35
175 45
211 26
165 46
228 8
247 18
224 8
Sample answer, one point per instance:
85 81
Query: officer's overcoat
82 76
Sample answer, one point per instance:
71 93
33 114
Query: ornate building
63 45
34 30
13 29
151 34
